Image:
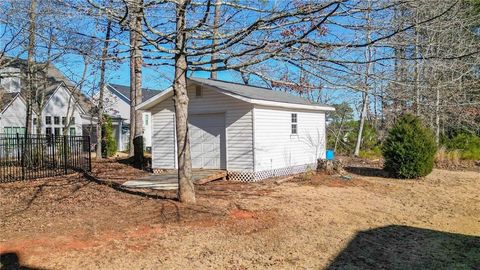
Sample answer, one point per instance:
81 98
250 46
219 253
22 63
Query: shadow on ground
403 247
367 171
10 261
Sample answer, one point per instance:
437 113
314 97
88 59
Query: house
252 132
117 106
65 109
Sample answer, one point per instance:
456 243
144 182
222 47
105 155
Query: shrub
409 149
374 153
109 145
468 144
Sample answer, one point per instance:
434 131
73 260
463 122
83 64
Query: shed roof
248 93
254 92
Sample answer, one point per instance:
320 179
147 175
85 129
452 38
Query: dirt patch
363 222
336 181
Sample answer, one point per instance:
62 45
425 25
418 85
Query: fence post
89 154
21 152
65 153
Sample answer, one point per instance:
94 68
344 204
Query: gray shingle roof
54 78
253 92
125 91
5 99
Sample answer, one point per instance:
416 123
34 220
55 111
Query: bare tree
136 129
102 86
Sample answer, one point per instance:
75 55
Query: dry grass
313 223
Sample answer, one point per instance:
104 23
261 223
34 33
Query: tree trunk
186 192
136 127
103 65
216 25
368 56
437 116
40 100
417 64
30 99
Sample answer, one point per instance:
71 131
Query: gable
60 102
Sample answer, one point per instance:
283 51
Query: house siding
238 122
59 104
115 106
275 145
14 115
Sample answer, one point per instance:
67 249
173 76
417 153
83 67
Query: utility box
330 155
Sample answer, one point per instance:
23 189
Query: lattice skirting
250 176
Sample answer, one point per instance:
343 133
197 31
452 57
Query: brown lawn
323 222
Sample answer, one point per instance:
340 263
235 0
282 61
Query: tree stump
330 166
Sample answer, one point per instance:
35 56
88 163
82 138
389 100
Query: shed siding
238 122
276 147
163 136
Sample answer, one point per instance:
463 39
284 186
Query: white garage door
207 141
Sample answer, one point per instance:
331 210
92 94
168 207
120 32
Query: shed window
294 124
198 91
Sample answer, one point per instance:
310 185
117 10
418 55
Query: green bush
468 144
109 145
409 149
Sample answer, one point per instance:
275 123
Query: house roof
124 91
248 93
54 78
6 99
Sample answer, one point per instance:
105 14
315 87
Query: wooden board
169 179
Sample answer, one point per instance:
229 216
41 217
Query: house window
57 131
72 120
34 121
48 131
294 124
73 131
48 120
198 91
63 120
56 120
146 119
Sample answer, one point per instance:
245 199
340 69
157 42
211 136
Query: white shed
252 132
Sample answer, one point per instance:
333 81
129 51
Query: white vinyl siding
58 106
238 122
115 106
275 145
163 135
14 115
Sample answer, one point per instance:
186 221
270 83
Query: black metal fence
37 156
